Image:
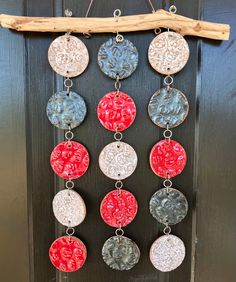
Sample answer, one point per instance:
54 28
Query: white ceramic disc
69 208
167 253
118 160
68 56
168 52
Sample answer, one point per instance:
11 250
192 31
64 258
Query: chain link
119 232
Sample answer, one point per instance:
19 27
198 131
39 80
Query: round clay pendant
116 111
168 107
118 58
167 158
69 208
68 253
168 53
167 253
168 206
66 110
69 159
120 253
118 160
118 208
68 56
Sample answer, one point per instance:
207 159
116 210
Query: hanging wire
152 7
89 8
87 34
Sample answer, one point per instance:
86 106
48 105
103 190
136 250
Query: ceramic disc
167 158
118 58
69 160
168 107
69 208
120 253
68 56
167 253
118 160
168 206
68 253
168 53
118 208
116 111
66 110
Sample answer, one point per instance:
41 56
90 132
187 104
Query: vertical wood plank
40 135
216 222
13 203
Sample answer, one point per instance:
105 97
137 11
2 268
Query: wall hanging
118 59
168 53
66 109
168 107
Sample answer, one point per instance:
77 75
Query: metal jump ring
69 184
168 80
119 232
70 231
157 31
68 83
117 13
172 9
117 85
167 134
118 136
167 230
167 183
119 38
119 184
69 135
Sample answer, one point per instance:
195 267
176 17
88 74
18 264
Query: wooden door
27 139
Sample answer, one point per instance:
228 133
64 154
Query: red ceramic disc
69 159
68 254
118 208
116 111
167 158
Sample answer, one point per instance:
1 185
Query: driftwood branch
159 19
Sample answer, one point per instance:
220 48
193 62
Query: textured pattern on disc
167 253
120 253
168 107
168 53
118 58
68 56
167 158
65 110
168 205
118 208
118 160
68 254
69 208
116 112
69 159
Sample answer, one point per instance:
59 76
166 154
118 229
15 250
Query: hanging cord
152 7
156 30
87 34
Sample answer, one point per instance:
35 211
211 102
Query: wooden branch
159 19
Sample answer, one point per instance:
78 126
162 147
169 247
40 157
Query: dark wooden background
28 183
